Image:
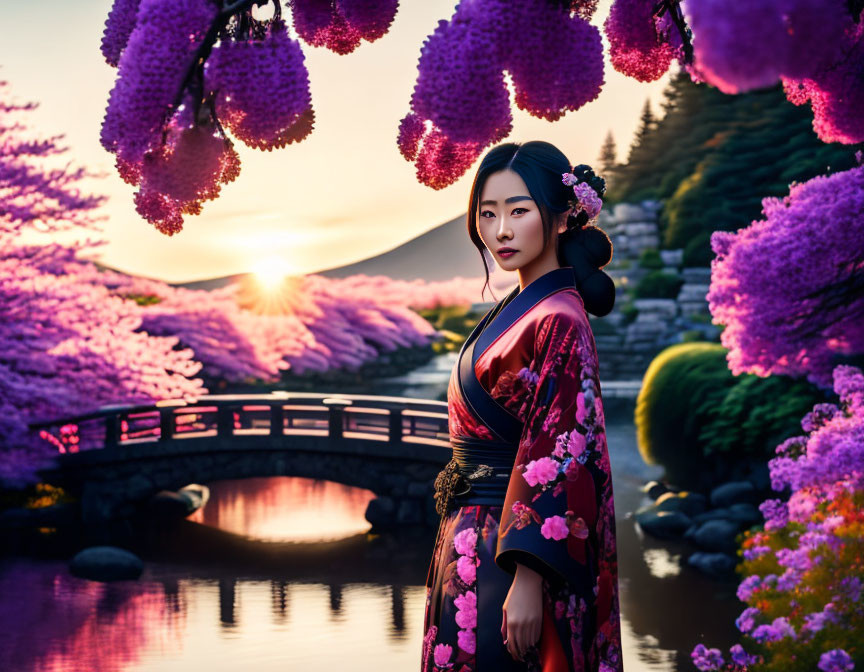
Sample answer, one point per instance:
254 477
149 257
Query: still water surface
280 574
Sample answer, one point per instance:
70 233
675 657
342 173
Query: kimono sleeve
550 510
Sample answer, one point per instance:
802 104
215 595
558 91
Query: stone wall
627 346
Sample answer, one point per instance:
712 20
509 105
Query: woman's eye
485 212
524 209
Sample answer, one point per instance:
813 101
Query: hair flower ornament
586 197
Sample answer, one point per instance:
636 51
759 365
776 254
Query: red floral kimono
558 515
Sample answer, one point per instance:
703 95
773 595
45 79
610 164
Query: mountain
442 253
439 254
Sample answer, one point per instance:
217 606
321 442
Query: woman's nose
503 230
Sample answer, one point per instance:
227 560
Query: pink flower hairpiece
586 198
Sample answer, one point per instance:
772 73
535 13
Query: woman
524 570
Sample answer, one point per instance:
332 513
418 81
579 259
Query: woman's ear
562 222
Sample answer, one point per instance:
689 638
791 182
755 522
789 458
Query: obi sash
493 459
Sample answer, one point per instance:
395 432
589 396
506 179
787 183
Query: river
280 573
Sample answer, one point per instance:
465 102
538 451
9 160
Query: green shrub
704 425
681 388
650 258
629 311
658 285
757 414
691 336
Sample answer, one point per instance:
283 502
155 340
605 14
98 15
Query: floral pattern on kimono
557 517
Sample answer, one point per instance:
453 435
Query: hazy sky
341 195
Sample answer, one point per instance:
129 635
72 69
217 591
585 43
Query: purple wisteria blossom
118 28
635 45
746 621
835 92
783 287
556 65
815 48
341 25
777 630
744 46
836 660
262 88
152 70
706 659
740 656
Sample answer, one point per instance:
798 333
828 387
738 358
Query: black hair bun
586 174
588 250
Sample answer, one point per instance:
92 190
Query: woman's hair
586 248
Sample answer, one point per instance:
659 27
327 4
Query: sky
343 194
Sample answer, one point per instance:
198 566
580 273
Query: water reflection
51 621
164 622
285 508
247 587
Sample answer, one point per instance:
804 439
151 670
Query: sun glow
271 272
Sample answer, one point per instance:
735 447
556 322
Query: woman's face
509 218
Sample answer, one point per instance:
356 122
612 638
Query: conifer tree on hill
713 157
608 159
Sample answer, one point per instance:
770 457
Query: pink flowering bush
76 338
804 572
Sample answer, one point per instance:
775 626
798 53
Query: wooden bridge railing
371 417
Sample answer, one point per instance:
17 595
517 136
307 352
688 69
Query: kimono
535 359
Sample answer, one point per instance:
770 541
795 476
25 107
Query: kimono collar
500 421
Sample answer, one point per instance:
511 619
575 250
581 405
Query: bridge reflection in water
286 509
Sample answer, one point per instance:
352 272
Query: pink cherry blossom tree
65 345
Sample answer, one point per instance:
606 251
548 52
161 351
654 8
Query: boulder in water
106 563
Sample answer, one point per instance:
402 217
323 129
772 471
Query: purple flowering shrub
804 571
787 292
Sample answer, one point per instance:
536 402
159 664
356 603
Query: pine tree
647 123
608 160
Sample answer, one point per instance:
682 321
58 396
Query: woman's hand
523 612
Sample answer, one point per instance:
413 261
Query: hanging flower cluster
635 47
152 71
460 103
261 88
745 46
176 153
118 28
815 48
185 69
836 93
342 25
186 170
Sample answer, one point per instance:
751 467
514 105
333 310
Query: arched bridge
116 458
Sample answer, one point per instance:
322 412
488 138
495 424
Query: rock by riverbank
106 563
711 523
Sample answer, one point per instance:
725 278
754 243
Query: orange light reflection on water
286 508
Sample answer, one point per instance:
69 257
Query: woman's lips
507 253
